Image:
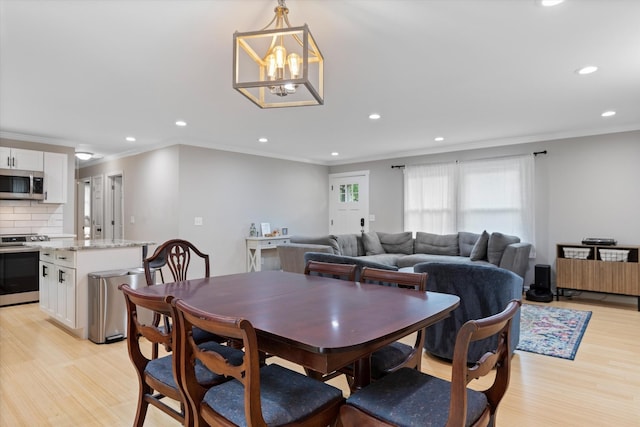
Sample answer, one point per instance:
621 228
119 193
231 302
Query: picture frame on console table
265 228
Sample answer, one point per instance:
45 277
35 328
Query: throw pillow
436 244
371 242
479 251
397 243
466 241
496 246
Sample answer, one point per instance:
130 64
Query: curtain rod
535 153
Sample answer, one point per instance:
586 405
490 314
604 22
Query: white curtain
490 194
497 195
430 198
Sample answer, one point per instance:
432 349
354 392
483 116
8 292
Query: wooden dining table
320 323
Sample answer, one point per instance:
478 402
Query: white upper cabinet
55 178
17 158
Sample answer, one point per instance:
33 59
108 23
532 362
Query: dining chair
397 354
157 374
335 271
255 396
328 269
410 397
176 254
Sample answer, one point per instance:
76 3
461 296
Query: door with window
349 202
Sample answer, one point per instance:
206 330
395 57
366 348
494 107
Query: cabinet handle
8 162
13 162
44 271
60 276
62 257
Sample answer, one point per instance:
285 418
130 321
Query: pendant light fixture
280 66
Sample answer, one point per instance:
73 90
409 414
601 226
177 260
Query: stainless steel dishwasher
107 311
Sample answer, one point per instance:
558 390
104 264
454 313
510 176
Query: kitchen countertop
78 245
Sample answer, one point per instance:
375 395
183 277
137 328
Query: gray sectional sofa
403 251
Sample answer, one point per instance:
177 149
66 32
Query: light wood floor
50 378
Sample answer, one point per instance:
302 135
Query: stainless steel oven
19 269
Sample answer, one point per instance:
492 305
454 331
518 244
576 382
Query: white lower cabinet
64 280
66 295
58 286
47 287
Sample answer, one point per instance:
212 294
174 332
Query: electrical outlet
197 220
372 217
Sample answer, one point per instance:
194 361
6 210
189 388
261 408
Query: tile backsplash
25 216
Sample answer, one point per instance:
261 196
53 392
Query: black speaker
543 276
540 291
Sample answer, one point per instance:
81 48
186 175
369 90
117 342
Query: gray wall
167 188
585 187
150 190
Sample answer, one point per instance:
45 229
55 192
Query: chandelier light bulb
294 65
271 66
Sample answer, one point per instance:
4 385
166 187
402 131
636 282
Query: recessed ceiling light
181 123
438 138
335 153
587 70
549 3
374 116
263 140
608 113
130 139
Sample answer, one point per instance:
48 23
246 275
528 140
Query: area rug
552 331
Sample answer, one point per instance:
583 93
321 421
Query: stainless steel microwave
21 185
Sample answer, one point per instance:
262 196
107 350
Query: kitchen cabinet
65 265
18 158
55 178
47 283
58 286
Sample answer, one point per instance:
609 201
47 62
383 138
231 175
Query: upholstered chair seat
291 397
395 399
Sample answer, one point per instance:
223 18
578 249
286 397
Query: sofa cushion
347 244
320 240
397 243
466 241
436 244
479 251
497 244
385 259
371 242
405 261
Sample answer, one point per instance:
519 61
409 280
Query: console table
582 267
255 246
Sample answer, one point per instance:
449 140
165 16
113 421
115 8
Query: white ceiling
88 73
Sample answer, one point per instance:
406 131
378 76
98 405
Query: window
349 193
492 194
430 198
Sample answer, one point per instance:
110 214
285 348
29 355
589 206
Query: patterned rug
552 331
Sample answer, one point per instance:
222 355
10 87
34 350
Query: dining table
320 323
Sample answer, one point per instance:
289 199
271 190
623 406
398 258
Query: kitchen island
64 268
